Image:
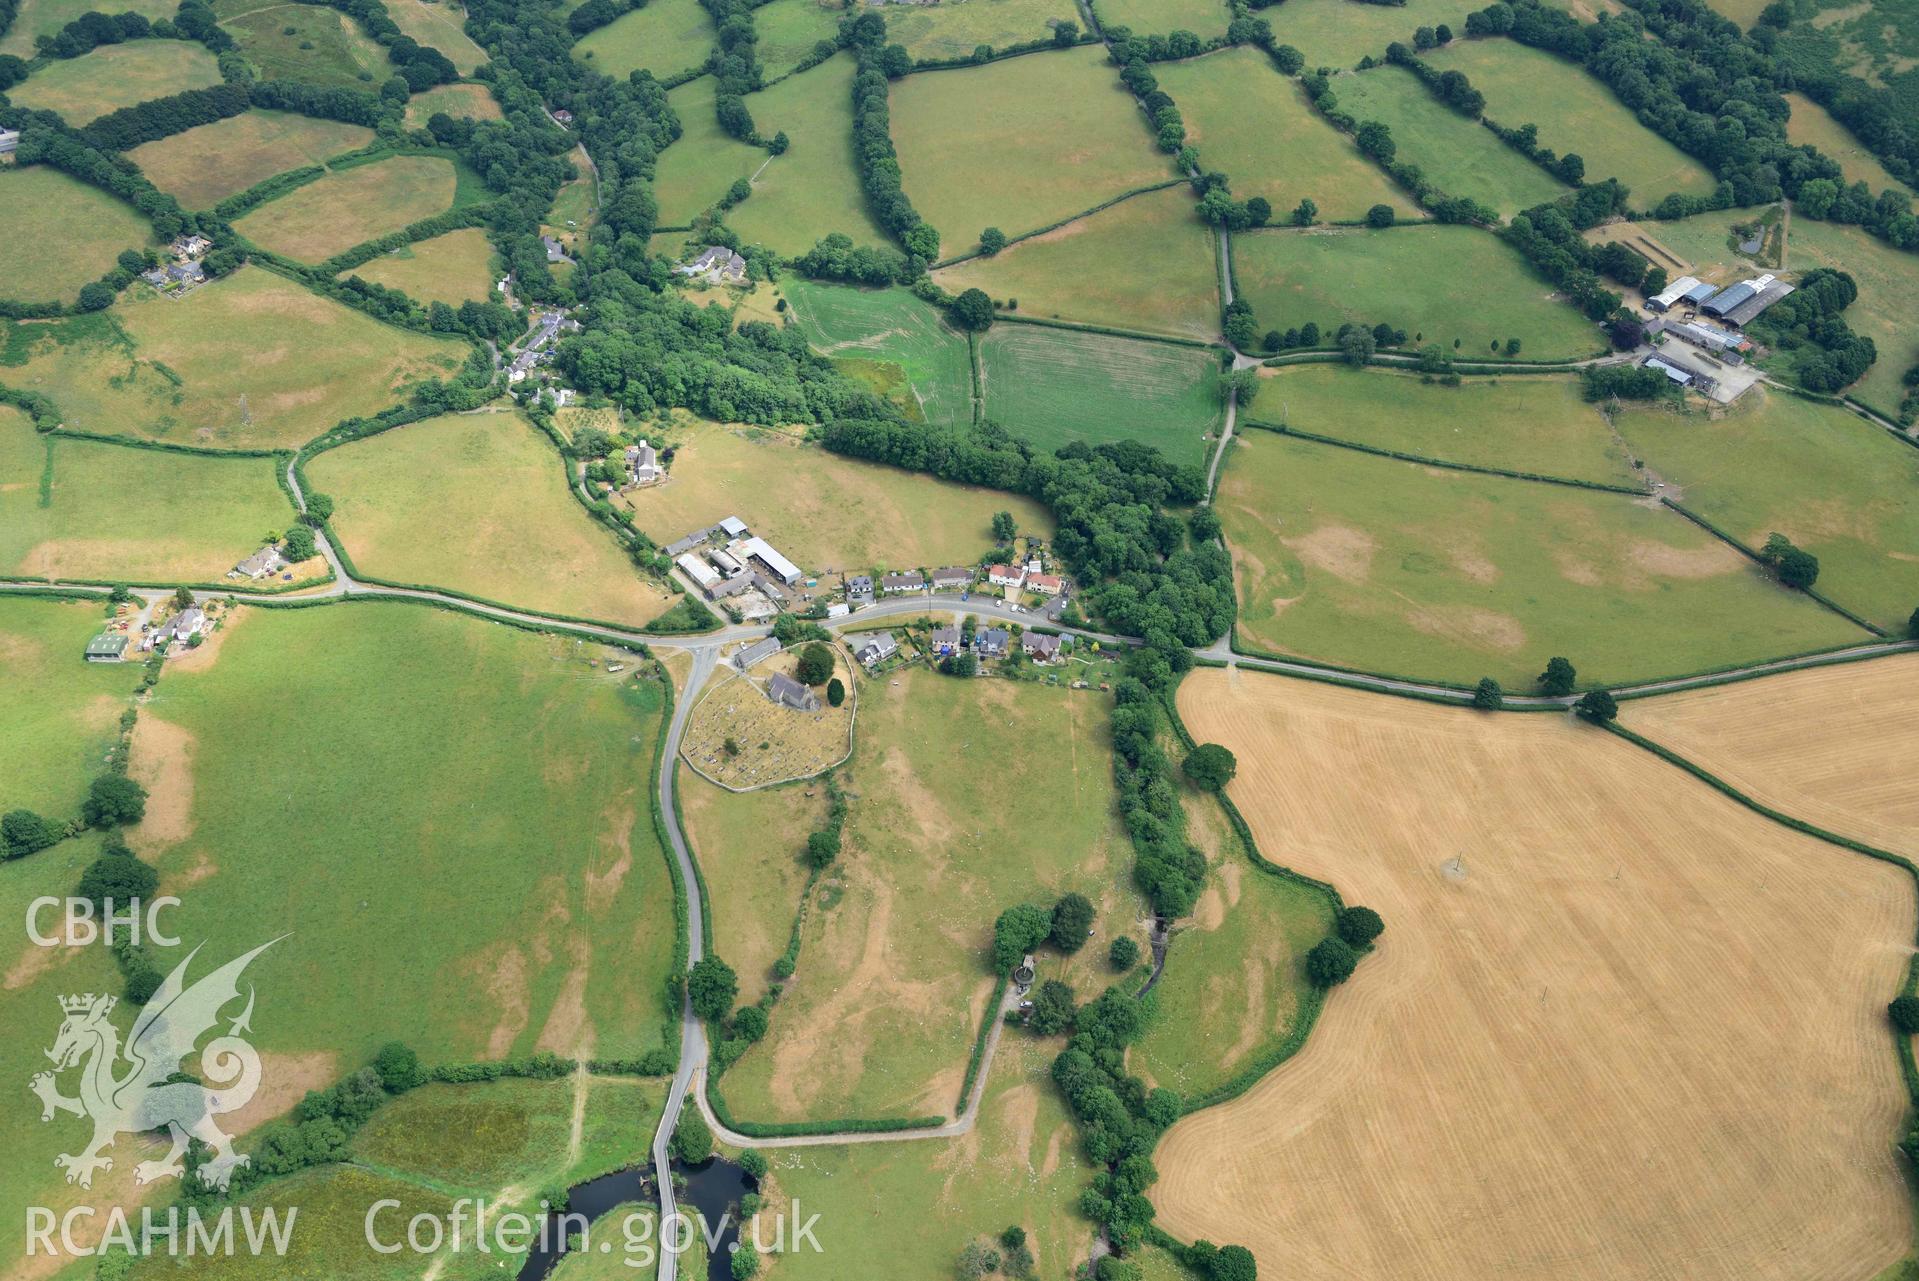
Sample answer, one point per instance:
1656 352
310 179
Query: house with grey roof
911 581
946 640
876 649
717 266
952 578
787 692
991 642
260 564
1039 646
859 585
758 650
642 464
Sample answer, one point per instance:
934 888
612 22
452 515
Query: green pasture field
251 361
1705 245
1256 125
664 37
1575 112
350 206
1338 33
1527 423
893 979
1888 299
422 504
1234 968
1019 144
58 233
1811 124
751 846
1461 156
1158 17
454 268
46 17
113 76
476 102
471 799
81 509
1052 386
1397 567
789 29
795 495
206 164
1743 12
63 713
438 24
1835 484
888 330
1022 1164
954 30
324 47
1169 283
576 205
1411 278
813 189
695 172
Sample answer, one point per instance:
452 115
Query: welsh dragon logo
137 1090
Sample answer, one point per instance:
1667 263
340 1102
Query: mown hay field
63 713
1402 568
1338 33
46 17
1824 745
1888 300
1021 1164
350 206
475 102
1411 278
1019 144
114 76
1835 484
790 29
1812 125
1618 1024
251 361
58 233
479 503
888 338
773 743
696 170
1256 125
1460 155
1170 284
315 46
81 509
1530 423
206 164
453 268
1053 386
1158 17
439 24
893 979
954 30
801 499
1575 112
813 189
664 37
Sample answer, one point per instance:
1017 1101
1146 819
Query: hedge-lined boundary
1754 556
1835 657
1101 207
1398 358
979 381
978 1057
785 1129
1110 331
699 873
682 930
1423 460
1907 1068
1045 45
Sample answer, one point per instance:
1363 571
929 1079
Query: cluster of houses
717 266
996 642
186 271
746 569
538 348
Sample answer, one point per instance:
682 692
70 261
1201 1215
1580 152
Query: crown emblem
85 1003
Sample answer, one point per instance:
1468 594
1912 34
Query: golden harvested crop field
350 206
1830 745
204 165
454 268
114 76
1618 1025
472 101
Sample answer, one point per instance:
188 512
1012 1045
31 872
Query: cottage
107 647
563 117
642 464
894 584
859 585
1046 584
183 626
187 248
991 642
787 692
1040 647
760 649
1005 575
717 266
259 565
876 649
951 579
946 640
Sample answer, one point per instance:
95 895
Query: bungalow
876 649
107 647
1040 647
893 584
1005 575
951 579
787 692
1046 584
758 650
991 642
946 640
259 565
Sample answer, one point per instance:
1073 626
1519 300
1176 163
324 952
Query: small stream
712 1190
